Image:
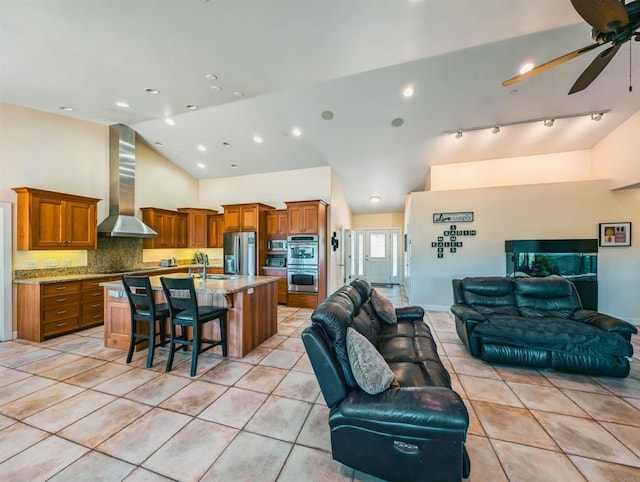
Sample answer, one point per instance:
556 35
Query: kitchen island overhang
252 302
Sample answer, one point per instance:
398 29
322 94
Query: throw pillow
383 308
369 369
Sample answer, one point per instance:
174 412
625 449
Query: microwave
277 245
276 262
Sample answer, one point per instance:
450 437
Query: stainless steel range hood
121 221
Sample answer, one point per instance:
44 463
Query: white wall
618 155
549 211
272 189
339 218
562 167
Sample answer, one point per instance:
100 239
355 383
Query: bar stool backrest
139 294
181 295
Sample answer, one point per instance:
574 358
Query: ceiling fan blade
551 64
603 15
593 70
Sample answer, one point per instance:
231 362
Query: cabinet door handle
96 294
96 316
95 305
61 324
61 312
60 300
61 288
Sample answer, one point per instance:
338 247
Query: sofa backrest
335 314
489 295
363 286
541 297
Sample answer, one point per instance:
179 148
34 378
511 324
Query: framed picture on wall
615 234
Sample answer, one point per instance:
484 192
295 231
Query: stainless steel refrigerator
240 253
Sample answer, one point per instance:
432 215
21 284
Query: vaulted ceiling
265 67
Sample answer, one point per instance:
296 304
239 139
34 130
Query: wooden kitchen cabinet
281 273
163 222
277 223
52 309
215 231
182 230
197 226
245 217
52 220
306 217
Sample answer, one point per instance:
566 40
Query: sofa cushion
413 329
366 326
490 295
368 309
558 334
430 373
407 349
369 369
383 307
543 297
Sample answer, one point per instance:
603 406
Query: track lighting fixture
547 121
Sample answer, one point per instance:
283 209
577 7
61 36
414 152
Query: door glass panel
394 254
360 251
377 245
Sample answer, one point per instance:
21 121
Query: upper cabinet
277 223
165 223
215 231
305 216
52 220
197 226
243 217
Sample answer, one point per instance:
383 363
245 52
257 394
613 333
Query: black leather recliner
539 322
414 432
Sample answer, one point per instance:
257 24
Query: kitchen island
252 302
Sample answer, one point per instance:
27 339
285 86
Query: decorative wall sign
452 243
615 234
462 217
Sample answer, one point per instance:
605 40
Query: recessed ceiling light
327 115
201 165
526 67
202 148
191 106
408 91
158 143
170 121
211 77
237 93
397 122
226 144
296 132
64 107
124 105
235 166
257 139
216 88
152 91
375 199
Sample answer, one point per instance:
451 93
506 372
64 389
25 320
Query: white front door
377 257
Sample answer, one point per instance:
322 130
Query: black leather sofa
412 432
539 322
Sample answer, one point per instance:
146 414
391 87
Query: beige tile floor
71 409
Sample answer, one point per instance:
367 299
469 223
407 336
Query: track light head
549 122
495 130
458 134
596 116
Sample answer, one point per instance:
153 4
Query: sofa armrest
428 412
605 322
466 313
409 313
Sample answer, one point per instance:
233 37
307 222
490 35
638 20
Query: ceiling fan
613 22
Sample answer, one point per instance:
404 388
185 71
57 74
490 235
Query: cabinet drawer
59 301
57 288
94 318
91 306
59 326
93 284
92 295
66 311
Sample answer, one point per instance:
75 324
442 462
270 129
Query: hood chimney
121 221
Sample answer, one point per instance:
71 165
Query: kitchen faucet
205 262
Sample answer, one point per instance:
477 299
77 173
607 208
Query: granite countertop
223 286
90 276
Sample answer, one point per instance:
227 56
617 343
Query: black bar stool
144 308
185 312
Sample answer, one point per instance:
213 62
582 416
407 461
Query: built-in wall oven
303 250
302 279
